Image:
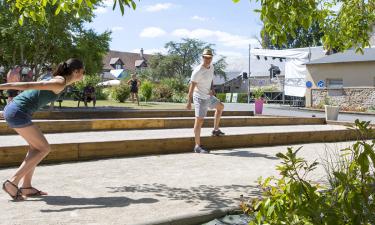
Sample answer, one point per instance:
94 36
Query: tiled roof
128 58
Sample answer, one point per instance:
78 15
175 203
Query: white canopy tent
295 70
110 83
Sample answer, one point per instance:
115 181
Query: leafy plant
121 93
293 199
146 90
258 93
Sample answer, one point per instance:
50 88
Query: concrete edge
194 218
344 123
344 112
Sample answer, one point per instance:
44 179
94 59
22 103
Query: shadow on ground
244 153
215 196
89 203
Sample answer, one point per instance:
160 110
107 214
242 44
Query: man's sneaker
199 149
217 133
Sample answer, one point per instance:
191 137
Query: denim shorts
15 117
202 105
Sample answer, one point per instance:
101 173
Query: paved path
144 189
281 110
98 136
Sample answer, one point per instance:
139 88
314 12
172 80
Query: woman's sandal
18 196
34 194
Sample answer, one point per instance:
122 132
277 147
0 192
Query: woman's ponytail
66 68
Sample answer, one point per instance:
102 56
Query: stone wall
349 99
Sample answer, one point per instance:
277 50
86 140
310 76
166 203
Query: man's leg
218 113
197 130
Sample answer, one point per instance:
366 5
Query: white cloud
151 51
114 29
224 38
101 10
200 18
152 32
108 3
159 7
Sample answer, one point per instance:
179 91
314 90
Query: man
201 91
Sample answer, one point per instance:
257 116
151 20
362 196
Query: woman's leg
39 149
136 96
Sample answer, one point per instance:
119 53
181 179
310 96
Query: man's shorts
202 105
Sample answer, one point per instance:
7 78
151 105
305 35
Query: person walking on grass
134 83
17 114
202 93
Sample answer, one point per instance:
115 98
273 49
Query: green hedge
241 98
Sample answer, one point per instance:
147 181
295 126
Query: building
118 64
348 79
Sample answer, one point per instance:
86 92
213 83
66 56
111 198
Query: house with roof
347 78
118 65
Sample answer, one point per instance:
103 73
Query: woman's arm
55 85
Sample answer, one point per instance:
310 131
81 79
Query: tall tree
37 10
60 37
350 27
304 38
189 51
181 58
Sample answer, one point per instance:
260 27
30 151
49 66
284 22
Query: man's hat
207 52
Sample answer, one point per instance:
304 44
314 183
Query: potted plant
331 109
258 96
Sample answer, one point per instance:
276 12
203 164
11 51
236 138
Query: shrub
162 93
293 199
121 93
179 97
176 85
258 93
146 90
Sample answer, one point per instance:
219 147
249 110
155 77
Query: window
335 83
118 66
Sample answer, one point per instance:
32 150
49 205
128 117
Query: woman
18 116
134 85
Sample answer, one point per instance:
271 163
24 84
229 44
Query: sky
231 27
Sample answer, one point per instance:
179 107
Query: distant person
134 83
48 75
89 95
14 75
202 92
18 114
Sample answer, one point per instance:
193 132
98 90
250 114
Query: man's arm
190 94
212 92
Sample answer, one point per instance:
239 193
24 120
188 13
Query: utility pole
248 78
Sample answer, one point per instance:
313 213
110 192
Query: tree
62 36
37 10
304 38
181 58
349 27
189 52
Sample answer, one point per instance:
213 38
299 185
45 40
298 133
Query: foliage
258 93
189 52
176 85
35 44
162 93
293 199
88 80
349 27
121 93
37 9
146 90
309 37
241 97
179 61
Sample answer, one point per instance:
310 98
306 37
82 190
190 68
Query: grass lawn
129 105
